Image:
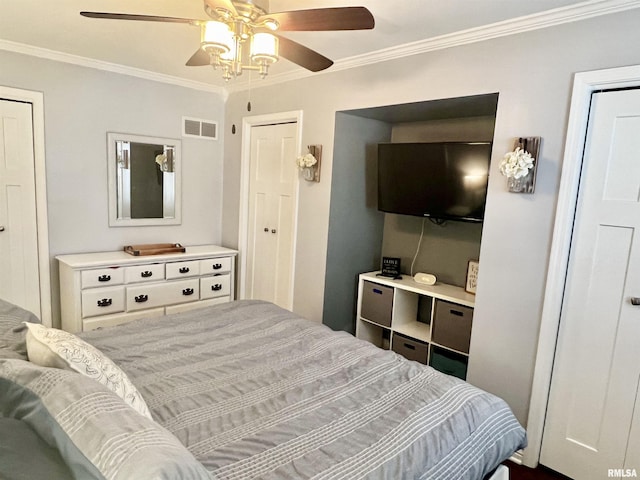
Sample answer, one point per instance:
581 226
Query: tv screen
446 181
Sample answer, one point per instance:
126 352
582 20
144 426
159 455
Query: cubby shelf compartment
406 312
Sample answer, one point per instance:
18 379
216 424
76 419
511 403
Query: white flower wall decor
519 166
309 163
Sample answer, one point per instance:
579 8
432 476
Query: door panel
597 366
19 264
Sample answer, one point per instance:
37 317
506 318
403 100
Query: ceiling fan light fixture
217 38
264 47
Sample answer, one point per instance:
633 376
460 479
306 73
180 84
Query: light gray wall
532 72
445 249
355 224
83 104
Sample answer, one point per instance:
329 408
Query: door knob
635 301
273 231
1 229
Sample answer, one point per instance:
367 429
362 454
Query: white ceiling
163 48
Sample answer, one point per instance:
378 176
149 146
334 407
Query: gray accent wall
355 224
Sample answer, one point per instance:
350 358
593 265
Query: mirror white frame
118 153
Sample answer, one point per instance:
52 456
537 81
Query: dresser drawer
144 273
101 301
183 269
102 277
159 294
216 286
215 265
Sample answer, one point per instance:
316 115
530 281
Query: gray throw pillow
26 456
13 331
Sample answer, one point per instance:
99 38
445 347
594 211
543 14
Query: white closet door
588 429
272 202
19 267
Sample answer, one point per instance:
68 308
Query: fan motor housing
251 9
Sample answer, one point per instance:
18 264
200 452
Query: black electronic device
444 181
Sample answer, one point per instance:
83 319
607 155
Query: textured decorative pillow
96 433
12 330
50 347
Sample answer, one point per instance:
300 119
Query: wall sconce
520 165
309 164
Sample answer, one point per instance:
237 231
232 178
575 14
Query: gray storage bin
452 325
410 348
377 303
448 362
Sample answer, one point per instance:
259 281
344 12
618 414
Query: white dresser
109 288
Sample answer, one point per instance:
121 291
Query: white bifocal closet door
272 208
593 416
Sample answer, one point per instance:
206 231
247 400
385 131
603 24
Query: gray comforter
255 391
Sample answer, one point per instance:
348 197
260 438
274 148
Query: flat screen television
443 181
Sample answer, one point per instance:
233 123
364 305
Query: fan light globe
217 37
264 48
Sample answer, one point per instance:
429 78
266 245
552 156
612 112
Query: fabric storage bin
452 326
410 348
448 362
377 303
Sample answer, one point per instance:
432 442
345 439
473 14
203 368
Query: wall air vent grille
198 128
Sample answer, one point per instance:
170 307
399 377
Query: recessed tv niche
443 181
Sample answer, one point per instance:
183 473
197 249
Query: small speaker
425 278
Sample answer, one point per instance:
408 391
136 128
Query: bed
250 390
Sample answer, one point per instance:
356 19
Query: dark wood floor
520 472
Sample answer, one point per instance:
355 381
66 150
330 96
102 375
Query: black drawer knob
105 302
104 278
146 274
184 270
187 291
141 298
217 266
216 287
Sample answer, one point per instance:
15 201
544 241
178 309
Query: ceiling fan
242 34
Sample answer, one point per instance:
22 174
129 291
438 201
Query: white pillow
50 347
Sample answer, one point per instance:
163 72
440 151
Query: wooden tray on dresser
154 249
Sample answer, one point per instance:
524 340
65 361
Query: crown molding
109 67
537 21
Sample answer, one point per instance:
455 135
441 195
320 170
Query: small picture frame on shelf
472 276
390 267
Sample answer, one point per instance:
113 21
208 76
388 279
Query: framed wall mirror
144 180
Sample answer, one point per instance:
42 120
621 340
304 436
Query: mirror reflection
144 180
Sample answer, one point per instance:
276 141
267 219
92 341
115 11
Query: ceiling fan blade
217 5
303 56
199 59
319 19
144 18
